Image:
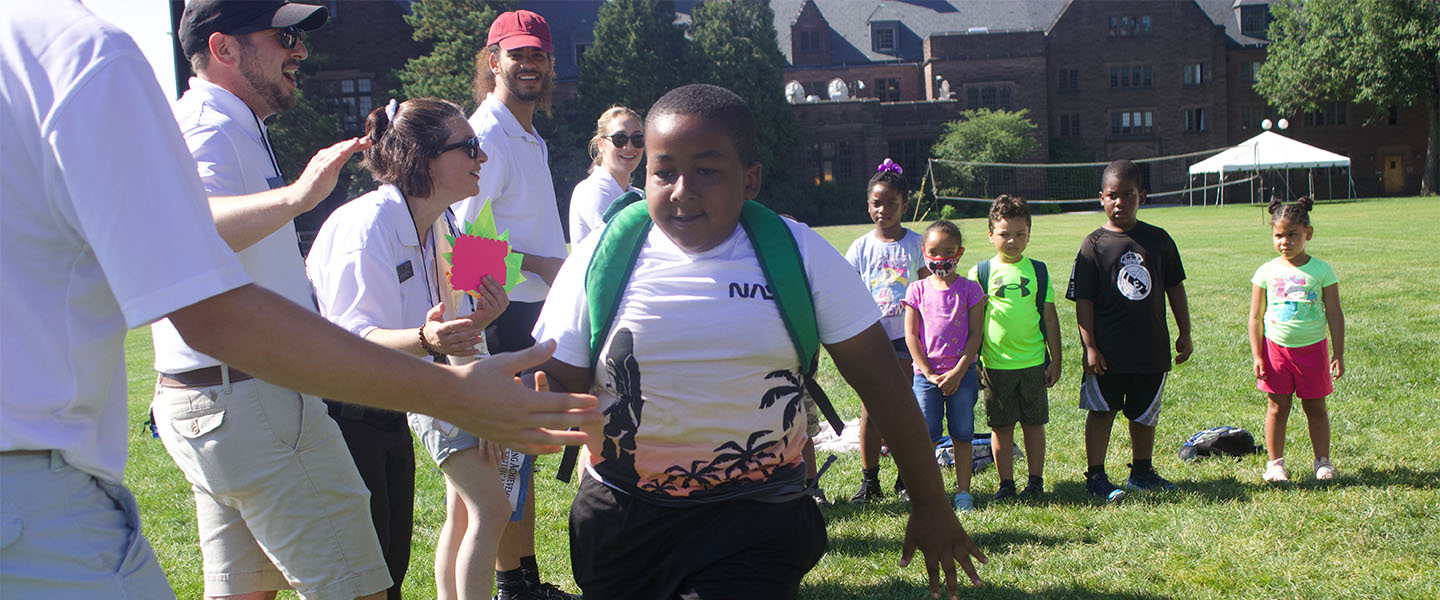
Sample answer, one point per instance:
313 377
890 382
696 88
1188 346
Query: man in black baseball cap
236 17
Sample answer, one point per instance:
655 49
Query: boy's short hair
714 103
1123 170
1008 207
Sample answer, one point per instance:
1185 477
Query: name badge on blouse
275 182
404 271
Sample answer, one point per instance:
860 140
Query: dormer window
884 37
1255 20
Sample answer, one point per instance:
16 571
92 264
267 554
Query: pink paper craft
474 258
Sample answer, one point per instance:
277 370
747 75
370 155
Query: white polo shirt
590 199
517 179
91 167
369 268
228 149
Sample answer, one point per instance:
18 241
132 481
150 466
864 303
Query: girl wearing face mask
944 314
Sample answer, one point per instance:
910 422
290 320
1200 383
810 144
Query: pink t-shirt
944 318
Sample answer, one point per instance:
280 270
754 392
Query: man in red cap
515 75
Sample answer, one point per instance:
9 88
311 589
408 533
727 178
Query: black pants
511 330
624 547
379 441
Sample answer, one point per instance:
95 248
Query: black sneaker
1148 480
1033 491
1100 487
1006 492
544 591
869 492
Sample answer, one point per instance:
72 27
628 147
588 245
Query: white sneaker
1275 471
1324 471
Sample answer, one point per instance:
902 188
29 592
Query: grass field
1370 534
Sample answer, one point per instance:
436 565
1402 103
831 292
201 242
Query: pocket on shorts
202 413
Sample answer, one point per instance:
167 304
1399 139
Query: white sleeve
565 317
582 207
843 307
359 290
127 195
217 160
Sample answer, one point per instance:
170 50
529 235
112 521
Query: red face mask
941 265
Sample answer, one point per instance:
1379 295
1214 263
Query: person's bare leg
1142 441
1034 448
448 545
1319 420
1002 440
1097 435
1277 416
477 482
869 441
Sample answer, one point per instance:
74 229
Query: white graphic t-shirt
887 268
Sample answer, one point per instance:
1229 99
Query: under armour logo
1002 289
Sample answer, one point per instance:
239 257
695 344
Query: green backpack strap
619 204
779 259
626 226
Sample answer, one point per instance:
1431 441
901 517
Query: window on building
809 41
1129 26
1196 73
1069 125
1329 113
1392 116
1195 119
830 161
882 37
993 97
351 99
1250 72
1255 20
1132 122
1069 79
1131 76
908 153
1252 115
581 48
887 89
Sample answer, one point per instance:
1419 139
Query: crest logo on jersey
1134 279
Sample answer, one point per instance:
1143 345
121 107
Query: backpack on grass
628 223
1219 441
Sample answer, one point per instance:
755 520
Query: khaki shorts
272 477
1016 395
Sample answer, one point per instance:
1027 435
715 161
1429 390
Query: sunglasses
289 36
619 140
471 146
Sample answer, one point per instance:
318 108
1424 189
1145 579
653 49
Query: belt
206 377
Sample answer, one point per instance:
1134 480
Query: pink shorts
1303 371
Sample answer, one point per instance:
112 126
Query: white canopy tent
1270 151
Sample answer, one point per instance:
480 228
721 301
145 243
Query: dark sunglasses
619 140
471 146
289 36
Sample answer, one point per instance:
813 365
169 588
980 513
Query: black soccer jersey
1126 274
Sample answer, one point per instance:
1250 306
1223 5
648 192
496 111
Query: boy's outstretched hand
939 535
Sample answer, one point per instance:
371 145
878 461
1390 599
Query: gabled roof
1223 12
919 19
1269 150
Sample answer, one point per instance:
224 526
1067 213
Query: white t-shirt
229 152
887 268
517 180
699 360
590 199
369 268
91 168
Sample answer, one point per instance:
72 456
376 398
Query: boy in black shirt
1115 284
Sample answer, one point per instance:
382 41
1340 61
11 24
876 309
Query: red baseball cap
520 29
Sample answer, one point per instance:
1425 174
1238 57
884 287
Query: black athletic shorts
511 330
1138 394
624 547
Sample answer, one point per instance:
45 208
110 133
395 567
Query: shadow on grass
993 543
907 588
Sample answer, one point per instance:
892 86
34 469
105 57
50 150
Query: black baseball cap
238 17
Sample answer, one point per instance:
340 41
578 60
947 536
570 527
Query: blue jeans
958 407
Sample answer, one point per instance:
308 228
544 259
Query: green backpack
627 223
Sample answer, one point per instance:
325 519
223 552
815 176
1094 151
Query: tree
639 54
1377 52
736 47
982 135
456 30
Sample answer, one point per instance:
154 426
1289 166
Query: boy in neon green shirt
1021 349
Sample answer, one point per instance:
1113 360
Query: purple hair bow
889 165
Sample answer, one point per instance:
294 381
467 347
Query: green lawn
1370 534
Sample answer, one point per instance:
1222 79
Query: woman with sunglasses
615 151
378 270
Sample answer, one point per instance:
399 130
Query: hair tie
889 165
390 109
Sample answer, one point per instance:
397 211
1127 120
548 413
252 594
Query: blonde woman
615 152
